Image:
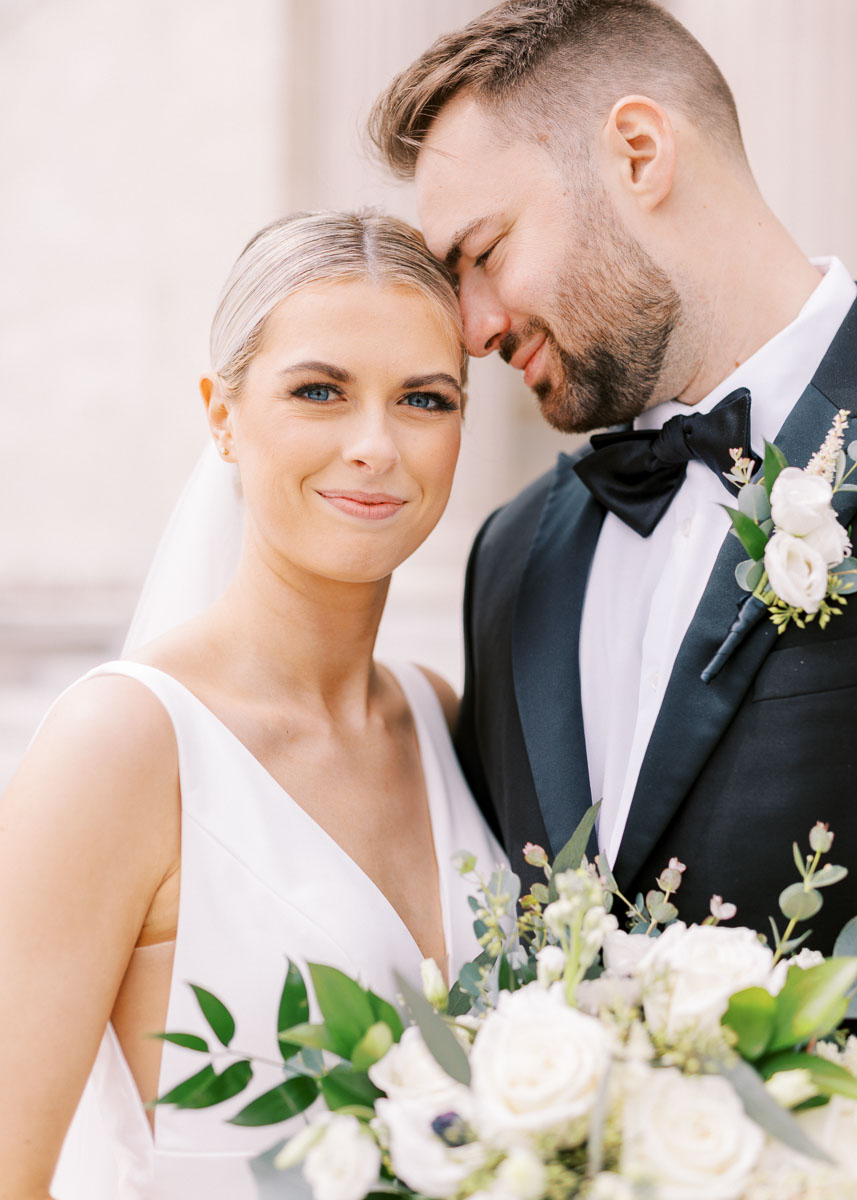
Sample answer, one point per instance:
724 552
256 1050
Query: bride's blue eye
431 401
320 393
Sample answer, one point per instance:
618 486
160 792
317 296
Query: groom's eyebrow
453 254
337 373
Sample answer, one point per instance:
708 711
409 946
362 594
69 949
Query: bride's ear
218 411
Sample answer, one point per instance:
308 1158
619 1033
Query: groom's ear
639 143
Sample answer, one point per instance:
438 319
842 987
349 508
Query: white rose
537 1065
805 959
345 1163
689 974
783 1174
608 1186
690 1135
409 1071
834 1128
615 993
623 951
799 502
830 539
796 572
420 1156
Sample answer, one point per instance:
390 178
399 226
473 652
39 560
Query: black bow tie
637 473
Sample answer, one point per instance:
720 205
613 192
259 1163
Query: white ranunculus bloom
623 951
690 1135
830 539
345 1163
420 1157
522 1175
537 1065
799 502
796 571
689 974
609 1186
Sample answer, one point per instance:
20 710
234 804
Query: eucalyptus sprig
801 901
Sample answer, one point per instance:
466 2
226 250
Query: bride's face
347 429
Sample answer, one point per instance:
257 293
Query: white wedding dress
260 882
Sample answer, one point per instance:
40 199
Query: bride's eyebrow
322 368
418 381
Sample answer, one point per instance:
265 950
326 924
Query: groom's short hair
560 65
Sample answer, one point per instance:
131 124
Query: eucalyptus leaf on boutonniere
800 565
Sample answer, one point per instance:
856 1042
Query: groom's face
548 276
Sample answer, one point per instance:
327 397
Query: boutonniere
799 567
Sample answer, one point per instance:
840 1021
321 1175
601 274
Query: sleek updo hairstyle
318 247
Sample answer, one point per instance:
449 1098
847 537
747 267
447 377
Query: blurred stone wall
142 143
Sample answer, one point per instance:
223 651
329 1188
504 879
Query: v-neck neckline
429 769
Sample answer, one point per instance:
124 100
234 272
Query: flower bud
535 855
721 910
550 964
820 838
434 986
790 1088
522 1175
463 862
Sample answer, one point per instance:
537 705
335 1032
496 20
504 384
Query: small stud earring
224 450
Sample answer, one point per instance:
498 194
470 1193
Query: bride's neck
300 634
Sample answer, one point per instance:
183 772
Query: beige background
141 144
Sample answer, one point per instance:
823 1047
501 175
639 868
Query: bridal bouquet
574 1058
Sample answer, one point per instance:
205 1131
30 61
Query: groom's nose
485 320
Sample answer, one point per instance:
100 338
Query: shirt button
686 526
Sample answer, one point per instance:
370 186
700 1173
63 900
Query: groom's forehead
462 173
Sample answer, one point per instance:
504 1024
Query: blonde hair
314 247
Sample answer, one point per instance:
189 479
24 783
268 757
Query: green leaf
753 502
293 1010
286 1100
829 873
438 1037
374 1044
312 1037
459 1002
846 941
206 1089
800 862
798 904
762 1108
343 1088
752 538
846 576
571 855
750 1015
217 1014
812 1002
344 1005
748 574
851 451
188 1040
384 1011
775 461
841 464
829 1078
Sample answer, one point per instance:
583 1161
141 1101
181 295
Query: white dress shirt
642 592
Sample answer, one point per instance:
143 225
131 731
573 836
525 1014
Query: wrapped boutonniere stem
800 566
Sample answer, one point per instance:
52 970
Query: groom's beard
616 312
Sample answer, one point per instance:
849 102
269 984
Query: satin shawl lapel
545 651
694 715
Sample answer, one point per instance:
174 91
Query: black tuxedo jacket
735 771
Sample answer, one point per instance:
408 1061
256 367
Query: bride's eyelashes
325 393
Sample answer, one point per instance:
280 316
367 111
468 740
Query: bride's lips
370 506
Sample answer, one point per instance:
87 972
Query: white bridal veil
197 554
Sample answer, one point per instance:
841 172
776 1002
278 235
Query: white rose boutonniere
799 567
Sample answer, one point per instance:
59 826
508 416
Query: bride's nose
370 443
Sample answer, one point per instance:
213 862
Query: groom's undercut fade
556 66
